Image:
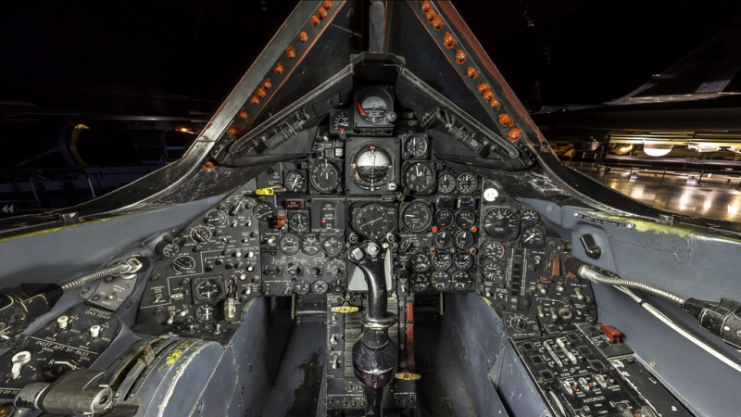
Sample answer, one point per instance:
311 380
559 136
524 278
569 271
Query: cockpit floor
297 386
440 390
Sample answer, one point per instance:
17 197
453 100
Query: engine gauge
341 122
493 271
310 245
215 217
442 261
465 219
372 221
493 249
205 313
371 167
200 234
294 269
336 268
530 217
325 177
440 280
417 217
415 147
299 222
320 286
289 244
443 239
463 239
184 264
462 280
294 181
419 177
420 262
446 183
463 261
501 223
333 246
444 218
419 282
533 237
263 211
337 286
272 270
302 286
208 289
467 183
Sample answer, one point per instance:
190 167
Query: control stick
374 356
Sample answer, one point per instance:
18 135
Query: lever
375 356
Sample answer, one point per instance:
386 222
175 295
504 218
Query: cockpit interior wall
361 233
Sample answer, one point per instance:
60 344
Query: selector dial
184 264
336 268
200 234
215 217
294 269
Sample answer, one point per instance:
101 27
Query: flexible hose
590 274
130 266
679 329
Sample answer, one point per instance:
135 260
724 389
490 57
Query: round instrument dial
372 108
208 289
372 167
302 286
443 239
442 261
530 217
294 269
463 261
465 219
299 222
320 286
462 280
310 245
501 223
419 282
417 217
333 246
493 249
215 217
294 181
419 177
444 218
493 271
336 268
205 313
440 280
170 250
200 234
337 286
184 264
533 237
420 262
415 147
325 177
263 211
372 221
289 244
272 270
446 183
463 239
467 183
